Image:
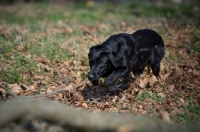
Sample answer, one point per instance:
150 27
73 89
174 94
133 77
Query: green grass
12 75
191 113
155 96
144 96
82 14
166 10
84 76
14 71
37 27
40 17
18 63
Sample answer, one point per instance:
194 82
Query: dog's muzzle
91 77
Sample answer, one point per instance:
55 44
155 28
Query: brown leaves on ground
179 78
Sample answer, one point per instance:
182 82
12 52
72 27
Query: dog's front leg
122 72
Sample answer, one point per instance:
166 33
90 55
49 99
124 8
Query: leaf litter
149 96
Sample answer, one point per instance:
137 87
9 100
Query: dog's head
100 64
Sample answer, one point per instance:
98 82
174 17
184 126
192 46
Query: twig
46 95
36 96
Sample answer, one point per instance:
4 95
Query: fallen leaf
67 30
152 80
158 88
140 106
196 73
84 105
165 76
165 116
49 90
162 95
15 88
90 3
2 92
69 87
123 99
21 48
143 82
170 88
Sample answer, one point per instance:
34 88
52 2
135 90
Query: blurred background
44 47
91 2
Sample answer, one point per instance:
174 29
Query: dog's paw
95 83
107 83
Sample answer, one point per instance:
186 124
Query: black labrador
122 53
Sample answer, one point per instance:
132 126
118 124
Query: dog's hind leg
138 71
127 79
155 69
155 60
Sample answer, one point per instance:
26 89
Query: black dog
122 53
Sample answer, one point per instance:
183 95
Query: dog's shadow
97 92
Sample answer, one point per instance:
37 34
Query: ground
44 47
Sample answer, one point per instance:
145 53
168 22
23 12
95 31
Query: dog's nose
90 76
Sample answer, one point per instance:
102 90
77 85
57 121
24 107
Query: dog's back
159 49
152 35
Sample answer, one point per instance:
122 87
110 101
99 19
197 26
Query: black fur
122 53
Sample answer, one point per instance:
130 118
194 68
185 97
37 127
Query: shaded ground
44 48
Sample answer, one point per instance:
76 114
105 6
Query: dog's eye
100 63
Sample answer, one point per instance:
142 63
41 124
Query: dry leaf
69 87
90 3
84 105
140 106
143 82
49 90
123 99
170 88
32 87
67 30
21 48
161 94
165 116
152 80
15 88
196 73
3 92
158 88
165 76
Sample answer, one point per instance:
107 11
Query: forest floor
44 47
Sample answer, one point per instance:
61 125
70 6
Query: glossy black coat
122 53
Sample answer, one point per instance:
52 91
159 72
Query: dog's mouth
95 83
94 78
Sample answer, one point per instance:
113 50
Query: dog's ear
93 49
96 47
113 56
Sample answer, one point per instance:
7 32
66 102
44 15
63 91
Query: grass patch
144 96
11 18
16 67
166 10
42 30
190 115
155 96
